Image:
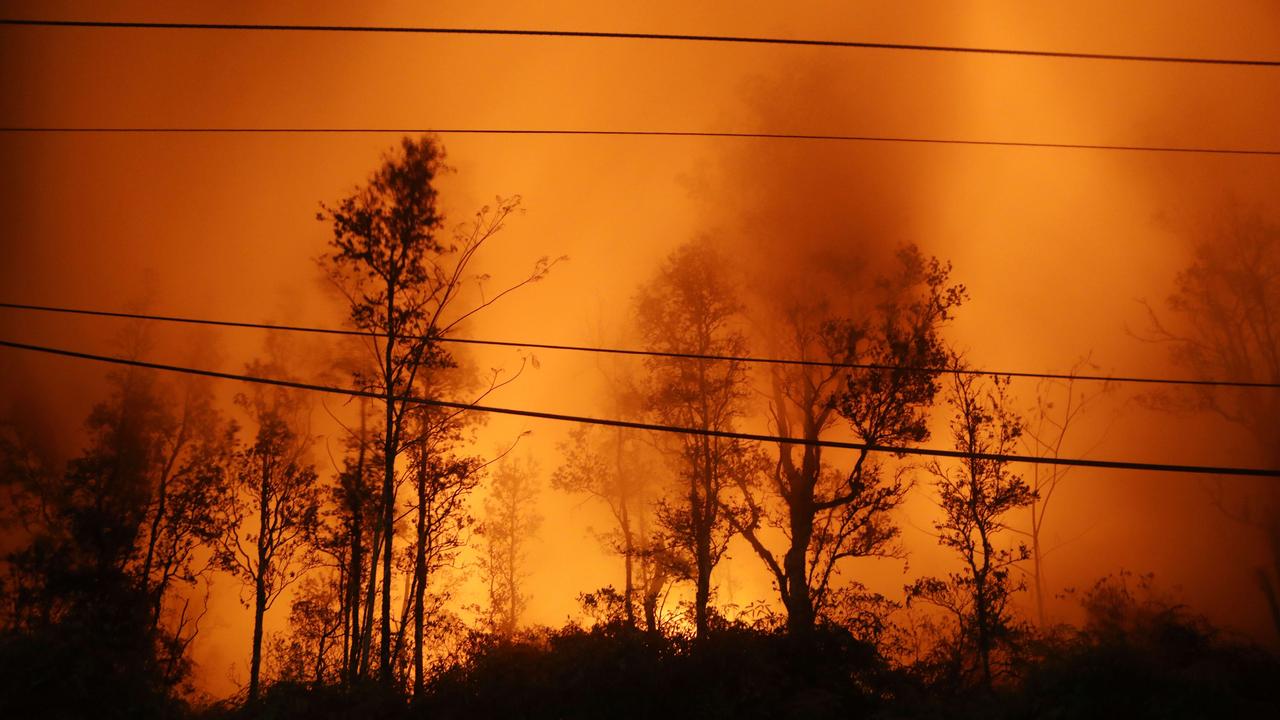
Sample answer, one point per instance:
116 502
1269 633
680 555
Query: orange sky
1055 246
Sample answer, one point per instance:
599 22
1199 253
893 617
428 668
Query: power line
672 37
816 137
644 353
609 422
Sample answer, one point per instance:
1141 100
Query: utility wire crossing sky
606 35
1262 152
510 32
610 422
649 353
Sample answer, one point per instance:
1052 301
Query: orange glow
1054 246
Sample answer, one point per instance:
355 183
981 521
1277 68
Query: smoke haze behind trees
1054 246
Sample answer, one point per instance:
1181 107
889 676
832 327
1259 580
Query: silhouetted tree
443 478
88 522
311 650
195 446
402 283
661 566
690 306
617 467
29 482
353 520
975 495
108 539
509 522
1059 405
1226 325
270 515
826 514
607 464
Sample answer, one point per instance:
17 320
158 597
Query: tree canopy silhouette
1224 322
825 514
270 515
975 495
691 306
403 284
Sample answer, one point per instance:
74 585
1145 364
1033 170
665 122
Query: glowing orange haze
1053 245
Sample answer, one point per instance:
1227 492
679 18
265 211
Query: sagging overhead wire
816 137
648 353
654 427
613 35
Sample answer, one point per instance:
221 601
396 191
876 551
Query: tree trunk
512 547
255 664
352 666
371 594
1037 566
702 595
398 637
319 679
982 610
628 550
796 596
984 640
344 617
388 492
259 582
156 594
420 578
153 536
628 546
702 546
653 577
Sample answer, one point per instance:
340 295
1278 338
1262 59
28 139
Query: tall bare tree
1060 404
691 307
270 515
353 521
403 284
443 477
510 521
608 465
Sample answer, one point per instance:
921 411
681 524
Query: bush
616 672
